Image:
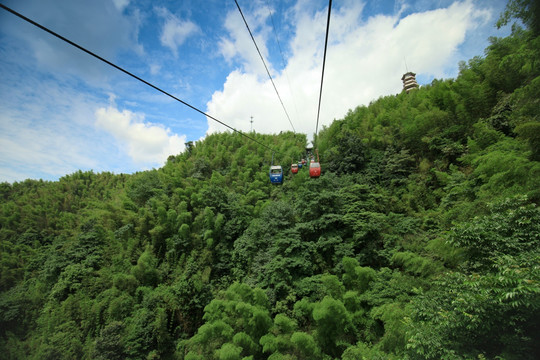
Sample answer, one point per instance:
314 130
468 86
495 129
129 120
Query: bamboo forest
420 239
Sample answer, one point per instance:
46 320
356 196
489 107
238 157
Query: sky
62 110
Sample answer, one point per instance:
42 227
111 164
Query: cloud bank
145 143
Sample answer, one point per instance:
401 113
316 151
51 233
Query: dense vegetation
419 241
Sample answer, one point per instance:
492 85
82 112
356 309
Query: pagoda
409 81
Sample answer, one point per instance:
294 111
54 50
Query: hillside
419 241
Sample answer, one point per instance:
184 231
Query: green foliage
355 276
392 315
530 131
415 264
512 228
283 342
143 187
234 325
333 325
363 351
466 314
109 345
348 156
527 11
506 170
145 271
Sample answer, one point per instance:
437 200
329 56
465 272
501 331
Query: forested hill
419 241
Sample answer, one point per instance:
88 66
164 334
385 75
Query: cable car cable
267 71
324 61
128 73
282 58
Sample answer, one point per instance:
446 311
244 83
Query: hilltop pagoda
409 81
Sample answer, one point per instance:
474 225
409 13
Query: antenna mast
406 67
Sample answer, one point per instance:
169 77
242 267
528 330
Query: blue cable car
276 174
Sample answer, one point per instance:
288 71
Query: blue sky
62 110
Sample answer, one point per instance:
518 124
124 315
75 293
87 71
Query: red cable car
294 168
315 167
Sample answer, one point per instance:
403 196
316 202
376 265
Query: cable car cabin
314 169
276 174
303 161
294 168
300 164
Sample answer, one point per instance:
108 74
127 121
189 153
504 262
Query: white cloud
242 97
365 60
121 4
239 45
400 6
175 31
76 20
146 143
155 68
46 130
